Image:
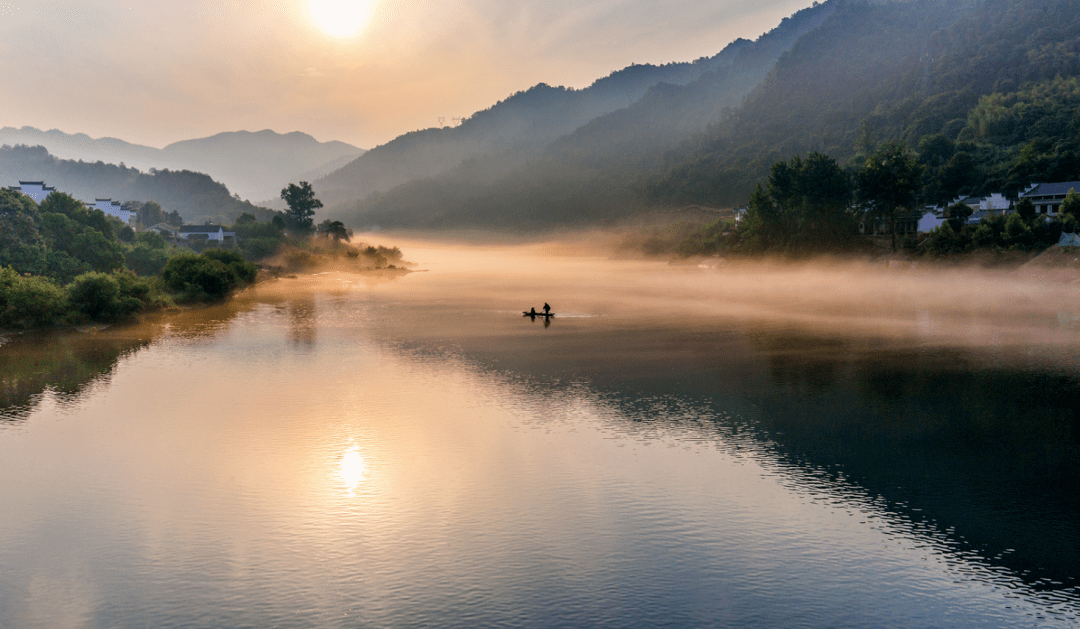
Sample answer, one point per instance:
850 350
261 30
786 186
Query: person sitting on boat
532 311
547 309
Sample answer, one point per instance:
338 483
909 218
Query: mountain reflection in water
968 451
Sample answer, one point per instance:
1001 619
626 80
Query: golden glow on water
352 469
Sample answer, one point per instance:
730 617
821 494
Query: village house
205 234
166 231
1047 197
36 190
114 209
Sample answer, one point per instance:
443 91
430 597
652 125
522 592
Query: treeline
813 205
194 196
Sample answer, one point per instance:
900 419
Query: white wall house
995 204
209 233
1047 197
36 190
113 208
929 222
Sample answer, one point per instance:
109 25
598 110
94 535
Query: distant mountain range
196 196
254 165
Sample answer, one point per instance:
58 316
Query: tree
246 219
958 215
888 182
1026 209
335 230
302 204
806 204
1071 205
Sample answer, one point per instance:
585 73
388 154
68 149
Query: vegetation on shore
62 263
813 206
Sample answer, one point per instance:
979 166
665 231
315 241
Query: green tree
1026 209
29 301
888 183
805 205
335 230
1071 205
958 215
302 205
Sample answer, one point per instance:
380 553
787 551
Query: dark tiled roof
1052 189
199 229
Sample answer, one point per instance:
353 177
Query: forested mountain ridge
515 128
591 172
255 165
918 71
195 196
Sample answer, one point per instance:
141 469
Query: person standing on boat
547 309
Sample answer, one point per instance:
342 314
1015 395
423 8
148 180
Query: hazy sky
154 72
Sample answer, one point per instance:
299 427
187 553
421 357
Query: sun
341 18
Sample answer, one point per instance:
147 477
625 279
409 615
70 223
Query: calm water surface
408 451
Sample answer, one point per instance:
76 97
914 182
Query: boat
537 314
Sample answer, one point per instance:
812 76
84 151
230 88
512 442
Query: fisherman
547 309
532 311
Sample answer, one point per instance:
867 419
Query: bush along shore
64 264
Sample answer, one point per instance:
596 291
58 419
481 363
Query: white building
996 203
206 233
930 221
113 208
36 190
1047 197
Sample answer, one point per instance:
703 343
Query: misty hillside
985 91
515 128
592 172
262 162
255 165
195 196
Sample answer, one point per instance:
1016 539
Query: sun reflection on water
352 468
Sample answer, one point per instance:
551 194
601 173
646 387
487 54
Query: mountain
258 163
514 128
195 196
255 165
986 91
585 171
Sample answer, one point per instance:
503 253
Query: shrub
145 259
245 271
105 297
206 277
29 301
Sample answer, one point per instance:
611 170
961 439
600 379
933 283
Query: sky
154 72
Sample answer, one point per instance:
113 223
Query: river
705 445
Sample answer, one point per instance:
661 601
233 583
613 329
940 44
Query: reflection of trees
992 451
802 362
303 331
981 445
66 364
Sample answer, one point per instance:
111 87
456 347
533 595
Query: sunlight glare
352 468
341 18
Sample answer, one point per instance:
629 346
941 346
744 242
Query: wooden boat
537 314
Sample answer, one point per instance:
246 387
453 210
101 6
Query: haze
157 72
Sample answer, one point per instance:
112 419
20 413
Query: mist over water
700 445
